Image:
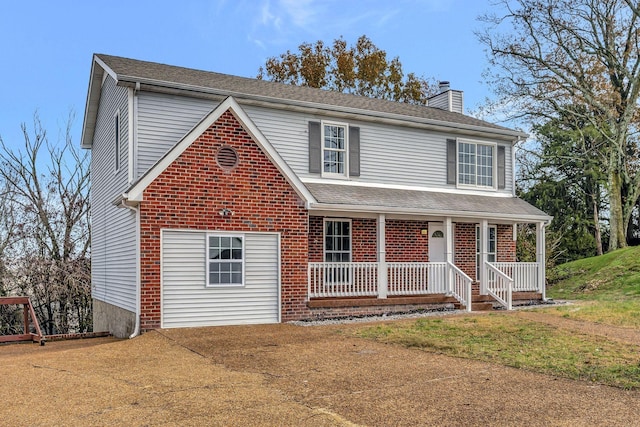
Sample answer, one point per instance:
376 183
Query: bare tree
550 55
49 243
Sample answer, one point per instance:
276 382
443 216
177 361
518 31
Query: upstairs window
116 127
334 149
225 260
476 165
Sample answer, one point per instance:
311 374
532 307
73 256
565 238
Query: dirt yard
289 375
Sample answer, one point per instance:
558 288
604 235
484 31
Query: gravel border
416 314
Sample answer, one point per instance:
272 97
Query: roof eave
513 135
98 68
523 218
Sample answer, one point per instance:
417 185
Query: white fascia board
349 112
135 192
461 191
93 100
428 212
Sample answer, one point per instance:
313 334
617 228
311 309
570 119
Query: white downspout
134 209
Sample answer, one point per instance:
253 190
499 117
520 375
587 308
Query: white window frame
209 261
494 164
491 256
344 150
117 125
338 275
324 238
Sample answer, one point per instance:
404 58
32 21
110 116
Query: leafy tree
549 55
563 177
362 69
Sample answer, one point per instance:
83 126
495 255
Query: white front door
437 242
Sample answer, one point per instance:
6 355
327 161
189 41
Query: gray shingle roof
132 70
426 202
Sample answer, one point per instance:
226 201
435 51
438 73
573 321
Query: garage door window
225 264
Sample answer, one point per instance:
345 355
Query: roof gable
135 193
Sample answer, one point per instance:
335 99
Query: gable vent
227 158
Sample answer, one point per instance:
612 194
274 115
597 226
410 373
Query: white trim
497 217
480 254
208 261
324 237
345 150
117 140
465 191
132 132
346 112
106 68
494 165
135 192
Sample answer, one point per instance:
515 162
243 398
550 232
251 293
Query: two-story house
222 200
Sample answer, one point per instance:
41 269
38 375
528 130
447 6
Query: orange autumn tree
361 69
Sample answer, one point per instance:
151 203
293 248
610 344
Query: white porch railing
460 286
417 278
499 285
342 279
524 275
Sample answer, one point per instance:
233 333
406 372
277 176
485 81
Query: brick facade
190 193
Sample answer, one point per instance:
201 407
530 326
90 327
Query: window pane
214 241
214 253
237 242
237 278
237 254
225 242
214 267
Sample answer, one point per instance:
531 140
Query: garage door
188 301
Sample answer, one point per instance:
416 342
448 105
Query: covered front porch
381 247
452 249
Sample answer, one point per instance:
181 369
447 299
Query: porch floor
412 300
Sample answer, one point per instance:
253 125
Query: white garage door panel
186 301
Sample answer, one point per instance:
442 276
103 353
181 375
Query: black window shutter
451 161
315 148
354 151
501 167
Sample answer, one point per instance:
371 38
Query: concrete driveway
284 375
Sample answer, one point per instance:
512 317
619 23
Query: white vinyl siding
162 121
186 299
113 229
388 154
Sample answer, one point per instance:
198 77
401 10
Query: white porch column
484 242
540 257
382 263
448 250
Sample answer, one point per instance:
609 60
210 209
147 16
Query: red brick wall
193 189
506 244
405 243
464 245
363 239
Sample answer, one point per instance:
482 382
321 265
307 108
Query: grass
608 288
607 291
519 343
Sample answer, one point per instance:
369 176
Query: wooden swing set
27 311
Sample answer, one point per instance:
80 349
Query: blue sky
46 46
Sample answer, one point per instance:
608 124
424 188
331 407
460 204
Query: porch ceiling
389 200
